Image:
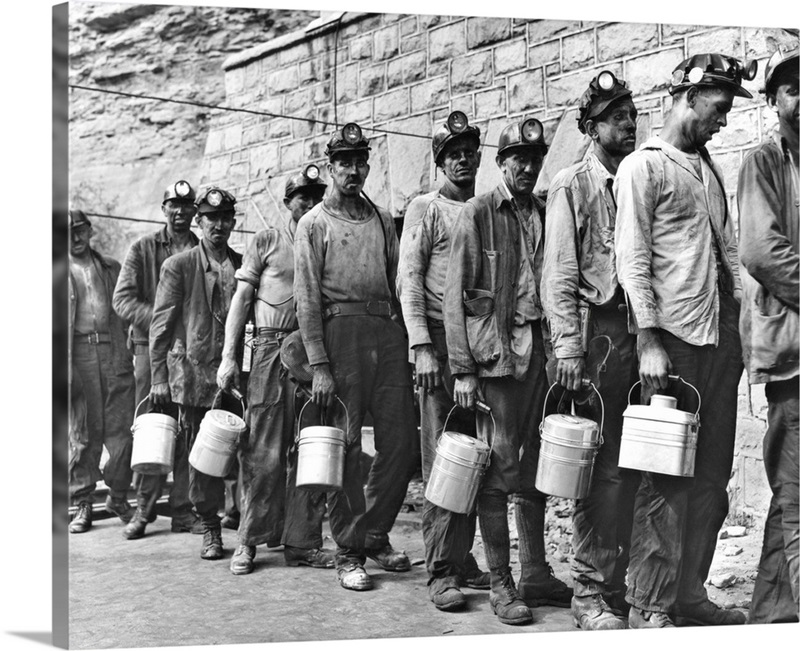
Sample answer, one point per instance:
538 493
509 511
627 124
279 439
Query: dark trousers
517 410
102 414
266 499
677 519
775 596
369 362
602 521
206 492
149 487
448 536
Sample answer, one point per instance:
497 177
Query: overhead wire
147 221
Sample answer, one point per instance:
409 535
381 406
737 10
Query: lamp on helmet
457 126
713 70
529 133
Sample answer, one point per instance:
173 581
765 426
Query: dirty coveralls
268 500
134 297
101 384
492 319
678 263
579 269
344 274
186 339
424 256
768 246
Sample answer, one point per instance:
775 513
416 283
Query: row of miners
486 298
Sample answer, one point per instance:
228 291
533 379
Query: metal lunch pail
320 454
214 449
458 468
153 442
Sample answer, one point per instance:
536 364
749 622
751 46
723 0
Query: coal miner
583 301
273 511
101 381
134 297
678 263
346 254
186 338
495 347
424 255
769 248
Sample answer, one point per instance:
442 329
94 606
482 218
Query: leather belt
370 308
93 338
266 336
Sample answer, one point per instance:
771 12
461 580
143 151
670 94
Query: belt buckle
94 338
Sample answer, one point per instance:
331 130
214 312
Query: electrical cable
146 221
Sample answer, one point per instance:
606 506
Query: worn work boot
538 586
506 602
389 559
212 543
187 523
120 508
230 521
592 613
243 559
639 618
353 576
445 595
318 558
135 528
82 520
474 577
707 613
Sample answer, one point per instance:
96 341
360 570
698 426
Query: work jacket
136 287
768 247
188 328
480 296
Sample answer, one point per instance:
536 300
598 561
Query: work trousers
514 438
149 487
108 403
447 535
273 511
677 519
775 595
602 521
206 492
369 361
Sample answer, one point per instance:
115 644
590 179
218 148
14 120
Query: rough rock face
124 150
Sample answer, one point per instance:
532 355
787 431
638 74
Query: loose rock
723 580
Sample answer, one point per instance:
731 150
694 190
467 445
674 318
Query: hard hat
348 138
604 89
457 126
215 199
179 190
713 70
779 61
529 133
78 218
308 178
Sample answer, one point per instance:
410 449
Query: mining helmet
307 179
457 126
179 190
214 199
604 89
529 133
348 138
78 218
779 61
713 70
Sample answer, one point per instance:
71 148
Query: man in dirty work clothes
346 254
678 263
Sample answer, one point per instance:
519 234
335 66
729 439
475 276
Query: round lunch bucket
568 447
153 442
458 468
658 437
214 448
320 454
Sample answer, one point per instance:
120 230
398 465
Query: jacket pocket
483 333
774 337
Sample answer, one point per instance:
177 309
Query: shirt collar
600 169
506 195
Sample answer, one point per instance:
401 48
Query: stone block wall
399 76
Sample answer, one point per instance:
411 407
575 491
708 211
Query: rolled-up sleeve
636 186
560 272
416 245
309 258
765 250
253 263
167 310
